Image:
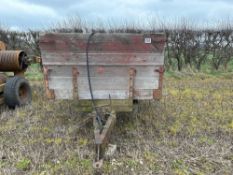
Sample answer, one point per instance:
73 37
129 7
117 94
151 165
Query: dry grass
190 131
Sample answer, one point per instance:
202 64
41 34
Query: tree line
27 41
194 48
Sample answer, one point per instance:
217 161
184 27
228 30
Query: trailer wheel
17 92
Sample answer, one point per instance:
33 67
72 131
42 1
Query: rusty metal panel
112 56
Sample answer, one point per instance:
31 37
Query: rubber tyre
17 92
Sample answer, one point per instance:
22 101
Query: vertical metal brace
75 74
49 92
157 93
132 74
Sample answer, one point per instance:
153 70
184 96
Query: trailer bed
122 66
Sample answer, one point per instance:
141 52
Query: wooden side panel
63 93
103 42
104 71
105 81
104 94
74 58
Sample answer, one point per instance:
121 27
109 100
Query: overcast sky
37 14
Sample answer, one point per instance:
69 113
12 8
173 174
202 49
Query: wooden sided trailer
103 70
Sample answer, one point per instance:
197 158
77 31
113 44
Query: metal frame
132 74
157 93
101 138
49 93
75 74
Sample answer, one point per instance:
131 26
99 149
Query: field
190 131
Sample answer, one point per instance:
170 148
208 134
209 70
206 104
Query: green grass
23 164
34 72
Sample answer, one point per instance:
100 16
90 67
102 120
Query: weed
23 164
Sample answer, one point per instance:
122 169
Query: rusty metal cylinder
13 61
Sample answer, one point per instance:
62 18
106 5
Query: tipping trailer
14 90
103 70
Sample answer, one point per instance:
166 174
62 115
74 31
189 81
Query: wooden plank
60 83
103 71
105 102
104 94
98 83
63 94
118 42
108 81
143 94
98 94
103 83
74 58
146 83
60 70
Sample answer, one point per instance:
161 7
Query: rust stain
157 93
75 74
132 74
100 70
49 93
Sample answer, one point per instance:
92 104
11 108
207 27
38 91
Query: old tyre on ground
17 92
